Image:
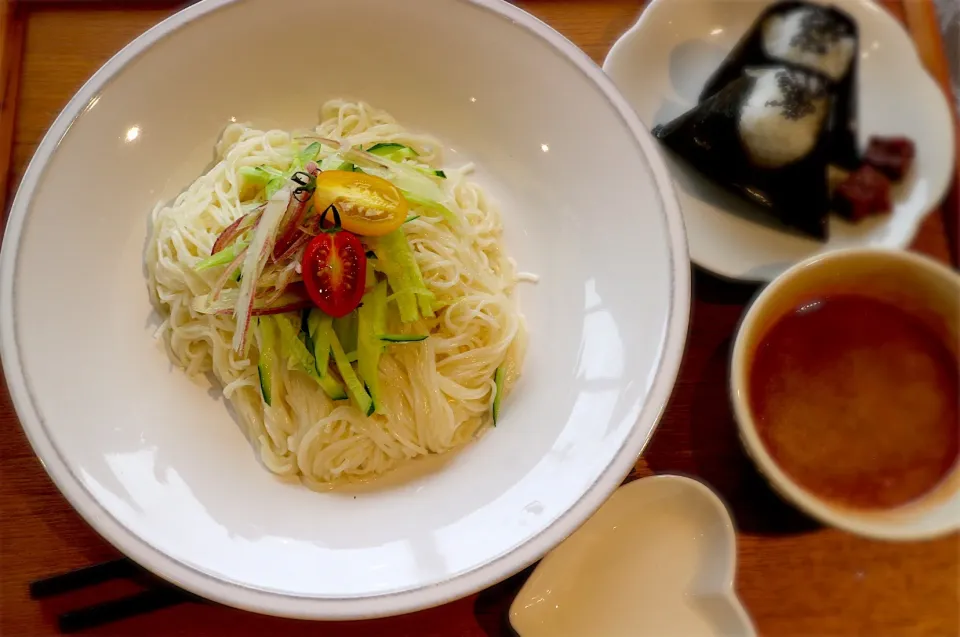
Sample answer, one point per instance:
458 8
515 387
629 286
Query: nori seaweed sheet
843 121
707 137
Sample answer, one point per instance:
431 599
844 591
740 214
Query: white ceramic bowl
662 63
157 465
928 290
658 558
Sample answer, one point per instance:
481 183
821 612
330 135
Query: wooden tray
794 577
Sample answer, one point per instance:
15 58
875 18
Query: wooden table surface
796 578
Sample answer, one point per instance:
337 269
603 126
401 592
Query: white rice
780 33
773 130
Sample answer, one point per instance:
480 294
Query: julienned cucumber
272 179
307 155
320 327
394 152
422 202
331 387
371 316
399 152
349 167
223 257
320 331
303 359
258 176
403 338
498 378
266 366
345 328
404 276
371 280
354 386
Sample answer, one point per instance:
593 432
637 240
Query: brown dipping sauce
856 400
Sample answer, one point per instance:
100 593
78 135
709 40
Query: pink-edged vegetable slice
289 229
258 252
235 229
227 274
291 251
294 297
311 225
290 233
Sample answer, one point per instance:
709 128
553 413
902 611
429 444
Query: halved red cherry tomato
334 269
368 205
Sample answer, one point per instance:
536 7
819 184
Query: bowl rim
815 506
264 601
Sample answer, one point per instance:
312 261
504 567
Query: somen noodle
434 395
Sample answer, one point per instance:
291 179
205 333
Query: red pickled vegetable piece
893 156
866 192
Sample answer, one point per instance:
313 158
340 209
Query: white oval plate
664 60
156 463
658 558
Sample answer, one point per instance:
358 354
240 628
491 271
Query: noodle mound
436 394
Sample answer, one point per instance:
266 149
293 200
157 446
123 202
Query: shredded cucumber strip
299 357
271 179
404 276
320 328
355 387
402 338
398 152
307 155
372 313
257 176
223 257
393 151
417 201
261 244
345 328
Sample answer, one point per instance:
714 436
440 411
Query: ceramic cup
928 290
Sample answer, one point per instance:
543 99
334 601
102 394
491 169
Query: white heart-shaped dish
658 558
662 62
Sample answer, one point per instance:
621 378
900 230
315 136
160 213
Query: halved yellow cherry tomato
368 205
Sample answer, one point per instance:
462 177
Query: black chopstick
158 595
115 610
83 577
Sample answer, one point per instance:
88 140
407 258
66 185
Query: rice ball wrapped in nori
820 39
817 38
763 136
